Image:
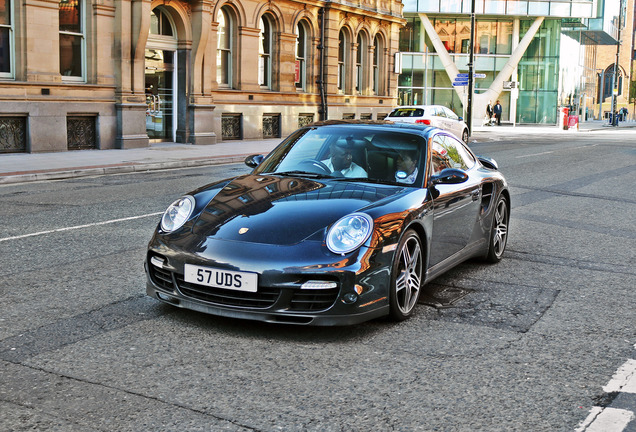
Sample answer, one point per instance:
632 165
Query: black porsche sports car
341 223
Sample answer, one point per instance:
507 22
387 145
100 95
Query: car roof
419 106
423 130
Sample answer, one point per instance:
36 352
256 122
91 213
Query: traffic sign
460 83
476 75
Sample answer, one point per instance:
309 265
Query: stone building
105 74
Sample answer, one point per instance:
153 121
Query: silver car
432 115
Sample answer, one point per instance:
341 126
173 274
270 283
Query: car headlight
349 233
177 214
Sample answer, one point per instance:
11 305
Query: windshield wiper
363 180
302 174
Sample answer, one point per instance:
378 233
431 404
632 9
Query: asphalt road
524 345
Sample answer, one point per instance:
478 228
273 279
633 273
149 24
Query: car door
439 117
454 125
455 206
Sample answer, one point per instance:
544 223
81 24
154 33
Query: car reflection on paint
341 223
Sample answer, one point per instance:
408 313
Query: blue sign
476 75
460 83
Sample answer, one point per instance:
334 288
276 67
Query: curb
10 178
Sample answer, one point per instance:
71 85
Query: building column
131 18
201 103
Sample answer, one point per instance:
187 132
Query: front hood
281 210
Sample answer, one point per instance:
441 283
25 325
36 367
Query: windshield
347 152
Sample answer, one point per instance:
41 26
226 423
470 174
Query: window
160 23
450 114
6 38
301 58
72 43
361 60
377 56
224 49
265 53
343 46
450 153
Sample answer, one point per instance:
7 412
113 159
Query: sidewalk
26 167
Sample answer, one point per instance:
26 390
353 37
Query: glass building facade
530 94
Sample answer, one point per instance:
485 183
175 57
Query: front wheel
406 277
499 231
465 136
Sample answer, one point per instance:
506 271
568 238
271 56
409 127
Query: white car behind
431 115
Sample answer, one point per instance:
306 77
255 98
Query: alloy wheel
409 275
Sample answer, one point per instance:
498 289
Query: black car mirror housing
449 176
254 160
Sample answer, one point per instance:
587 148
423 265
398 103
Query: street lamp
615 83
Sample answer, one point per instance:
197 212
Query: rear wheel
465 136
406 277
499 231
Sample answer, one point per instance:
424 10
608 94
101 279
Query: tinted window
407 112
447 152
352 152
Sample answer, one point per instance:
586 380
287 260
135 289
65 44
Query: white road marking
610 419
606 420
624 380
552 151
534 154
78 227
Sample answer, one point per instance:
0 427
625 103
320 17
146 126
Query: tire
499 231
406 276
465 136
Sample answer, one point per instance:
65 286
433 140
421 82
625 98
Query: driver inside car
341 161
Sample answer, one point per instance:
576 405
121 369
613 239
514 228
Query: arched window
225 46
72 39
361 63
377 63
160 23
609 80
343 60
265 51
302 50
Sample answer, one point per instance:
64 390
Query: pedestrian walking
489 113
498 113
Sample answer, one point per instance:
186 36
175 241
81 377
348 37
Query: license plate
219 278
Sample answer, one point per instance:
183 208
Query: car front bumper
356 284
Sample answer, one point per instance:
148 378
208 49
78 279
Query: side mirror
449 176
488 162
254 160
461 118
